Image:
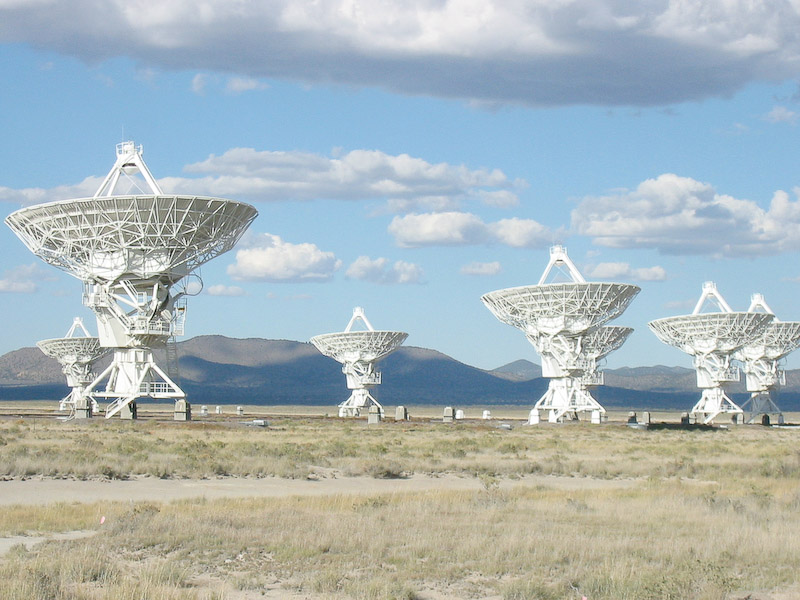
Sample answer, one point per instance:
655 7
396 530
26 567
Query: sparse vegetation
693 515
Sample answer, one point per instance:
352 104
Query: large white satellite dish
762 357
712 338
557 318
129 250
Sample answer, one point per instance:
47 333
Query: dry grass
710 515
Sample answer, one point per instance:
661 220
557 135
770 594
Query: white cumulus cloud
455 228
28 196
680 215
239 85
200 83
438 229
404 180
267 257
406 183
612 271
225 290
481 268
521 233
781 114
602 52
380 270
22 279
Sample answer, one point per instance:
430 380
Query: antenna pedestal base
78 397
82 408
712 403
359 401
761 403
131 375
565 397
183 411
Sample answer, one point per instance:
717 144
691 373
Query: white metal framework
761 358
557 318
76 352
130 250
596 346
359 351
712 338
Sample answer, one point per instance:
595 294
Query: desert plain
317 507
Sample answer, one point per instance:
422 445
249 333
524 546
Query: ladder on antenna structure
70 416
117 405
172 359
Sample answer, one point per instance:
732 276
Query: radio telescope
76 354
557 318
359 351
761 358
712 338
135 254
596 346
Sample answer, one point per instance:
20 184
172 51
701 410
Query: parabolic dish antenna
712 338
76 353
560 308
129 250
761 358
597 345
160 238
557 318
359 351
604 340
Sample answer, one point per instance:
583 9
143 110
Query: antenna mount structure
558 318
129 251
712 338
359 351
76 352
596 346
762 357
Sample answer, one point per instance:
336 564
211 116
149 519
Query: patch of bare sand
41 491
29 541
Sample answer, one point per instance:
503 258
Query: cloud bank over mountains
671 214
679 215
534 53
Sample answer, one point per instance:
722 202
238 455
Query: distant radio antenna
76 352
761 358
561 321
359 351
712 338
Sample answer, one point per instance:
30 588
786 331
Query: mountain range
220 370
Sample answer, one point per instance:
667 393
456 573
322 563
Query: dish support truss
76 354
762 363
135 318
359 351
558 319
596 346
712 339
565 364
130 251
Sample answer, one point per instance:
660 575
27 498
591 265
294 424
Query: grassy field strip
534 513
664 540
38 491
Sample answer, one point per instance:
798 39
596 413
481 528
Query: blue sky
410 156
